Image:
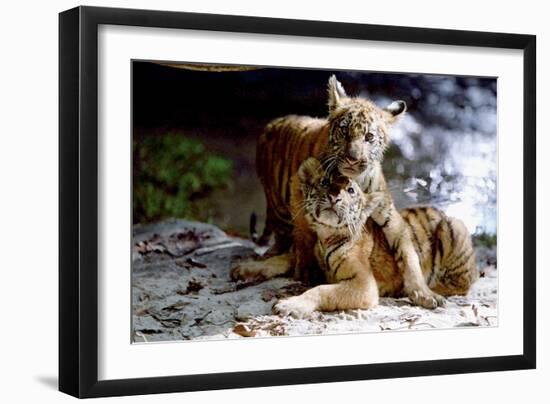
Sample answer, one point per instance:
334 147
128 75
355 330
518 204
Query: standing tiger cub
351 140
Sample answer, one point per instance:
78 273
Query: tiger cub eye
369 136
351 190
325 182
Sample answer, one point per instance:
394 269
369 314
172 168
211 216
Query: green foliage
485 240
171 177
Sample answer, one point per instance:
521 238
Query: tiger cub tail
454 261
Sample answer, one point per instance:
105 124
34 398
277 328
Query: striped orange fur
354 254
351 142
353 138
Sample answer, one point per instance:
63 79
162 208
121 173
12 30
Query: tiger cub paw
426 299
248 271
296 306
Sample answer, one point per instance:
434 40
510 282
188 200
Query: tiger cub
352 140
358 262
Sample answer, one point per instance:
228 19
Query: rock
181 290
180 281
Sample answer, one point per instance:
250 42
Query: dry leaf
145 247
158 248
188 235
193 286
224 289
184 265
244 331
149 331
467 324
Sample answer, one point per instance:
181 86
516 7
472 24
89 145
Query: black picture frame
78 200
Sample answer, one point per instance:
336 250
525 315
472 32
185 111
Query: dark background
444 151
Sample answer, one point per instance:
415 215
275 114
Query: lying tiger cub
353 253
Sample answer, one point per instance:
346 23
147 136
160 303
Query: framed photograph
252 201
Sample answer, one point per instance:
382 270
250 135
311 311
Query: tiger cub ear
395 110
309 171
335 93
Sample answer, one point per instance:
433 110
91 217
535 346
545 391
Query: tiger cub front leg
359 291
306 268
399 237
258 270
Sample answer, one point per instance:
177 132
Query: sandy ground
181 290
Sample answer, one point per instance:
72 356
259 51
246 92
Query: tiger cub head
332 202
359 129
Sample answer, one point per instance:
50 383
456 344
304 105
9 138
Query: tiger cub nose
352 160
334 199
